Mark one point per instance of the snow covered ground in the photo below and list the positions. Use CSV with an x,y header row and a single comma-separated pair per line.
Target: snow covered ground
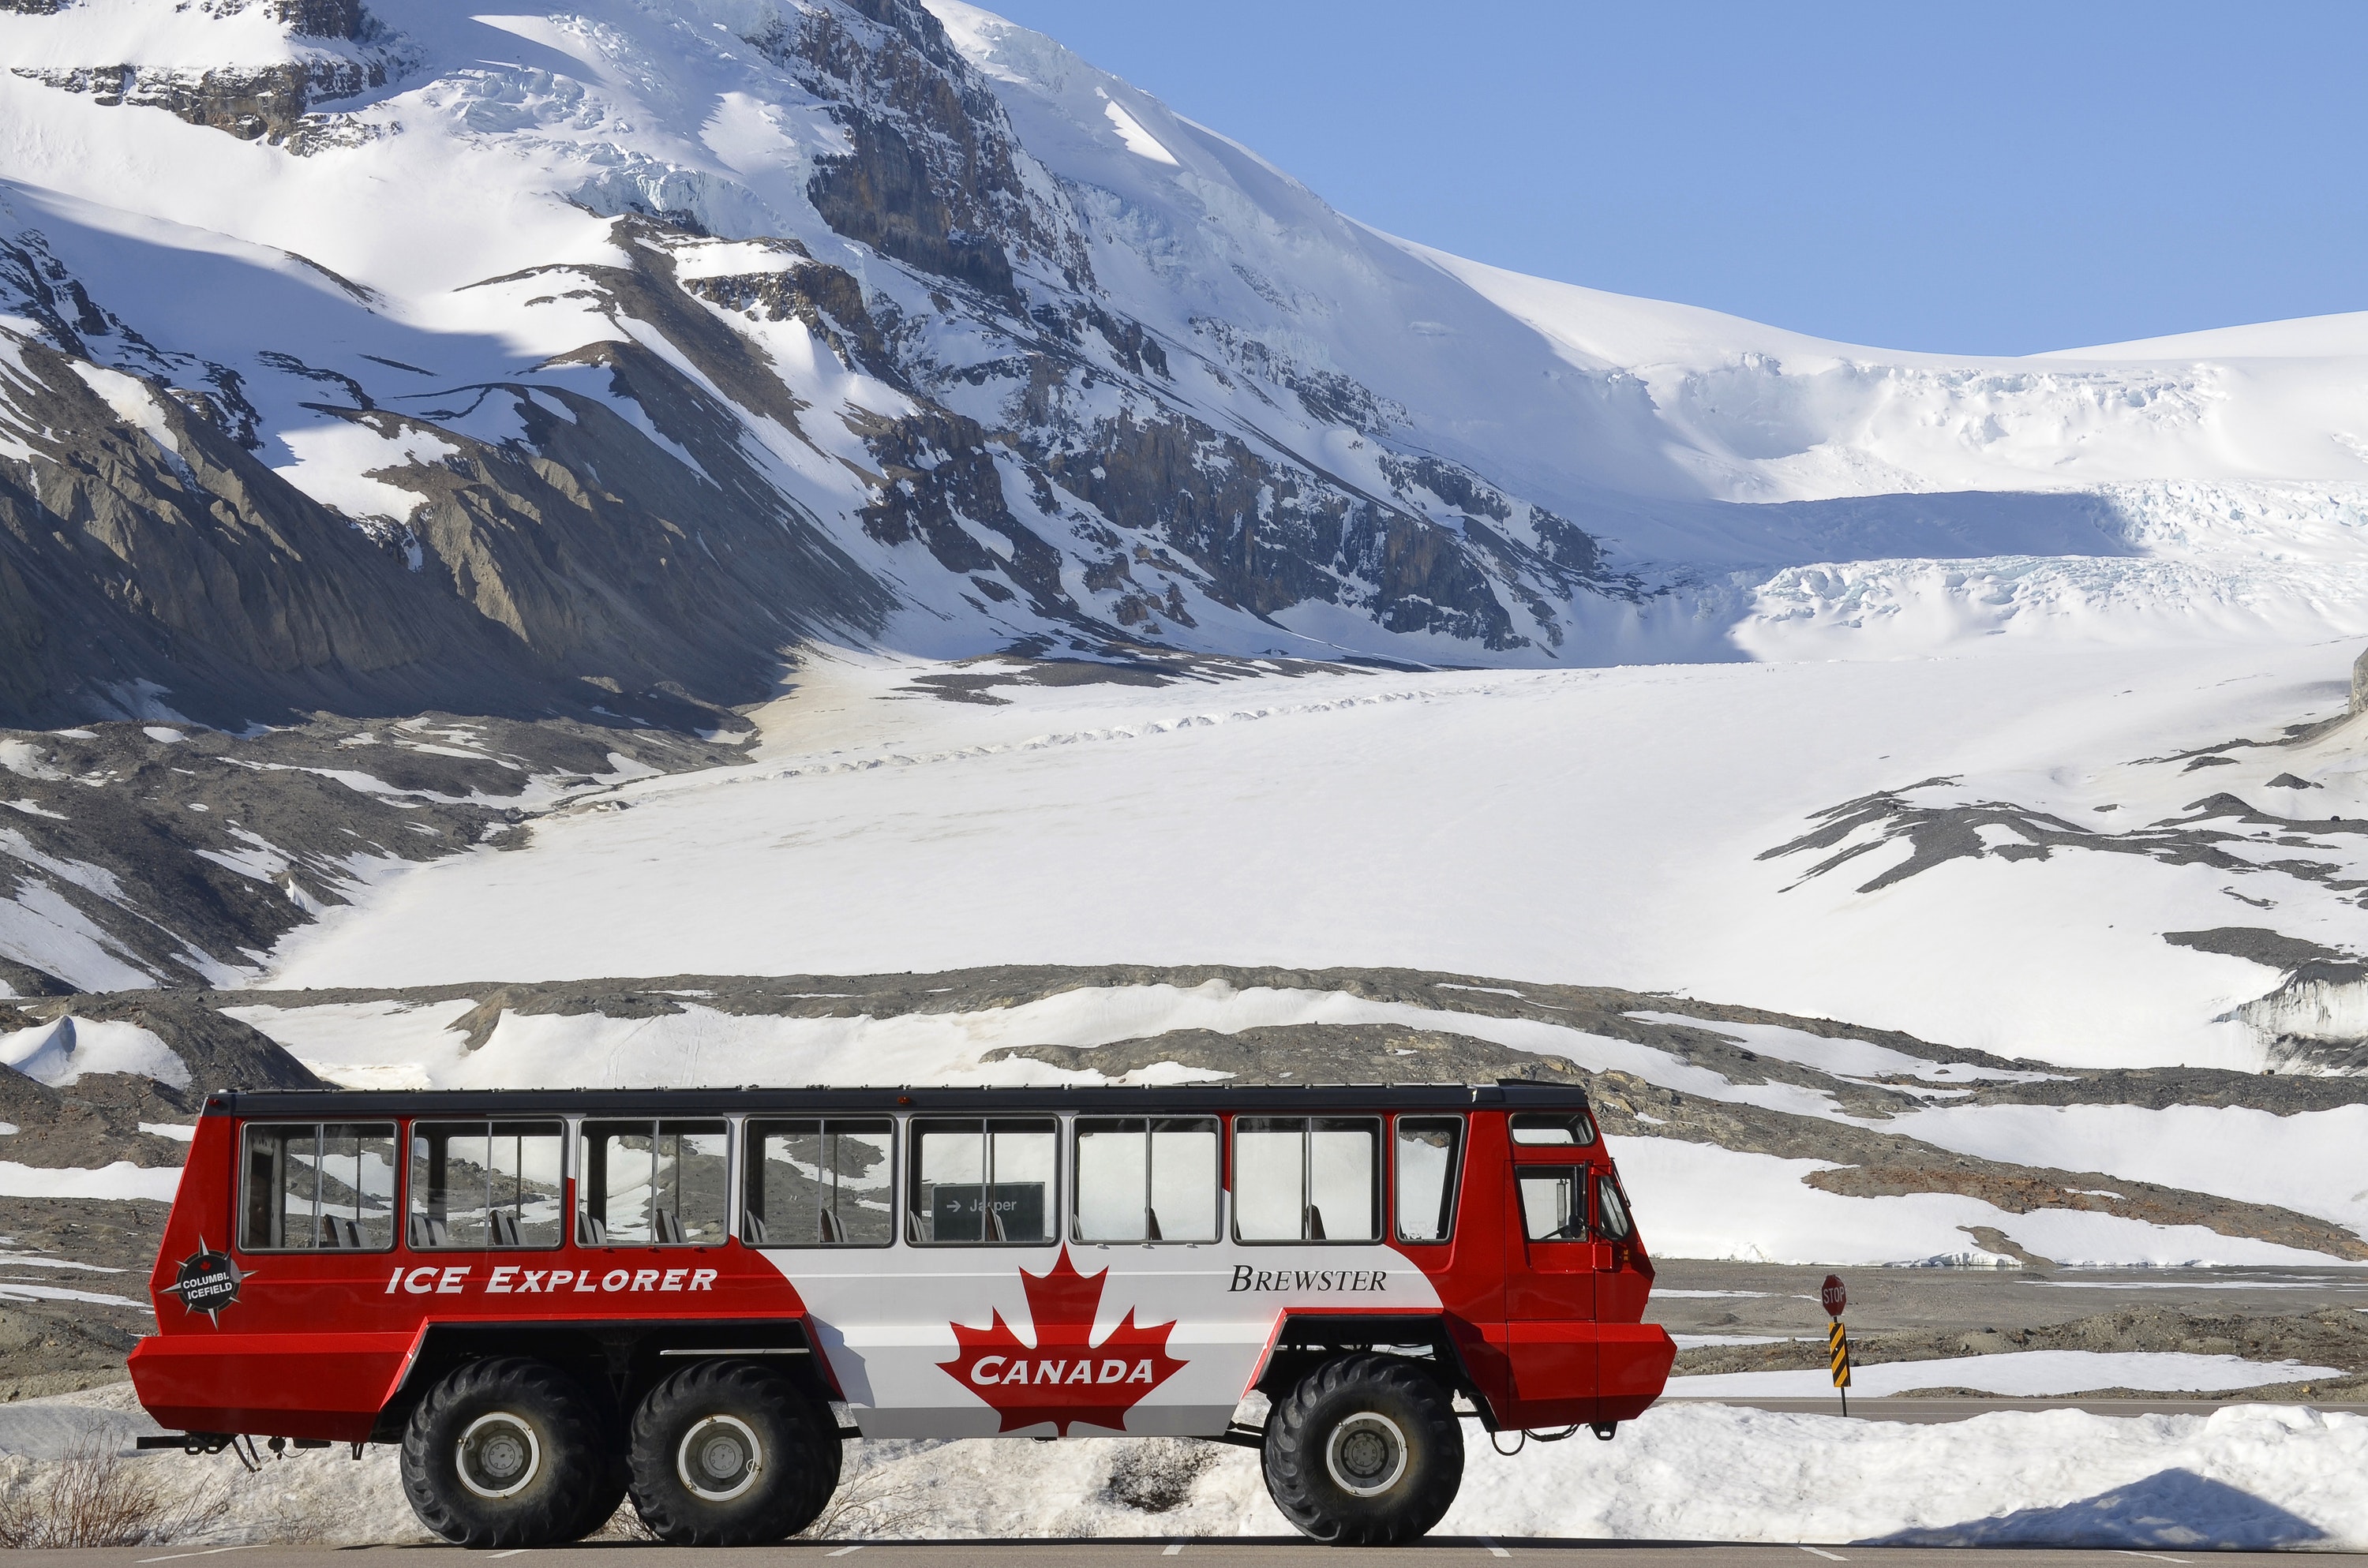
x,y
1603,826
2256,1157
119,1179
1700,1201
2254,1477
1598,827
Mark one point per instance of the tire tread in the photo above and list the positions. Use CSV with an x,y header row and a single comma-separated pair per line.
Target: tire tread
x,y
578,1467
677,1518
1295,1476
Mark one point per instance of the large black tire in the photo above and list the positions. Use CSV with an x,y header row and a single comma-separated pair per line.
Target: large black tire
x,y
1365,1451
731,1453
506,1452
606,1494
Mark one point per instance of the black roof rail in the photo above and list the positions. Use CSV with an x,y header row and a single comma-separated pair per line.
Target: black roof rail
x,y
758,1099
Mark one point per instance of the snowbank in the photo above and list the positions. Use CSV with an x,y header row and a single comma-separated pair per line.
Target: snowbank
x,y
2247,1477
60,1052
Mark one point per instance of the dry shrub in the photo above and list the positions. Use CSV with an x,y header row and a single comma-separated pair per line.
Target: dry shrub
x,y
1155,1475
625,1523
93,1497
881,1502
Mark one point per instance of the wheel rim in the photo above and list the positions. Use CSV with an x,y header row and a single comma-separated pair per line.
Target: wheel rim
x,y
498,1456
1366,1454
719,1458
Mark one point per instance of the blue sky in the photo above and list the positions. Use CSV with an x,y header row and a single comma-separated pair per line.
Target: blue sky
x,y
1999,179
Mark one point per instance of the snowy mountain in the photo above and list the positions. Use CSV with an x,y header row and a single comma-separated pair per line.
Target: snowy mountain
x,y
391,357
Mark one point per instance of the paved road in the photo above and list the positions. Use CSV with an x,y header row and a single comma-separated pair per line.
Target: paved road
x,y
1244,1551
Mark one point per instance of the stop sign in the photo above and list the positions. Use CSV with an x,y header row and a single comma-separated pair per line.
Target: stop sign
x,y
1834,1296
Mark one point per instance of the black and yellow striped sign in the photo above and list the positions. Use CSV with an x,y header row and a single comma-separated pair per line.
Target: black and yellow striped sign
x,y
1838,1344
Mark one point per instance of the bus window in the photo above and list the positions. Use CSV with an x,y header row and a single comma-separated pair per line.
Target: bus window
x,y
653,1183
1559,1128
1428,1151
485,1184
1141,1180
983,1179
318,1185
1554,1203
820,1184
1307,1179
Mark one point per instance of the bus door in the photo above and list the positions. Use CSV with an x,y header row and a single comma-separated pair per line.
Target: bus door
x,y
1625,1278
1552,1260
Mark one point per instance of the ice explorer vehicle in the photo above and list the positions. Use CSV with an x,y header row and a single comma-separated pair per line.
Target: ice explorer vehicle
x,y
553,1299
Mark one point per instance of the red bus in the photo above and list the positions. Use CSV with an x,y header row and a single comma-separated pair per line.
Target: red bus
x,y
553,1300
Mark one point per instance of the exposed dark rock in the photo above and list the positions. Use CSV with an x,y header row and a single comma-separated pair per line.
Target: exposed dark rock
x,y
125,567
934,179
22,1100
2019,1190
828,299
2255,943
1300,1053
95,1122
1938,835
24,980
48,1347
1266,536
477,1024
1997,1242
591,571
940,474
2157,1088
323,19
270,102
884,195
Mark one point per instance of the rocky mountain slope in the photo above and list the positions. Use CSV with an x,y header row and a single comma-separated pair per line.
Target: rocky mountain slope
x,y
382,361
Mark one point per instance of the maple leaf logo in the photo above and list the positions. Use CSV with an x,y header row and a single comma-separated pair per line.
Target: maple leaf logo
x,y
1064,1377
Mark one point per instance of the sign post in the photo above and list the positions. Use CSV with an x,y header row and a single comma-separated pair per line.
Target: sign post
x,y
1836,1338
